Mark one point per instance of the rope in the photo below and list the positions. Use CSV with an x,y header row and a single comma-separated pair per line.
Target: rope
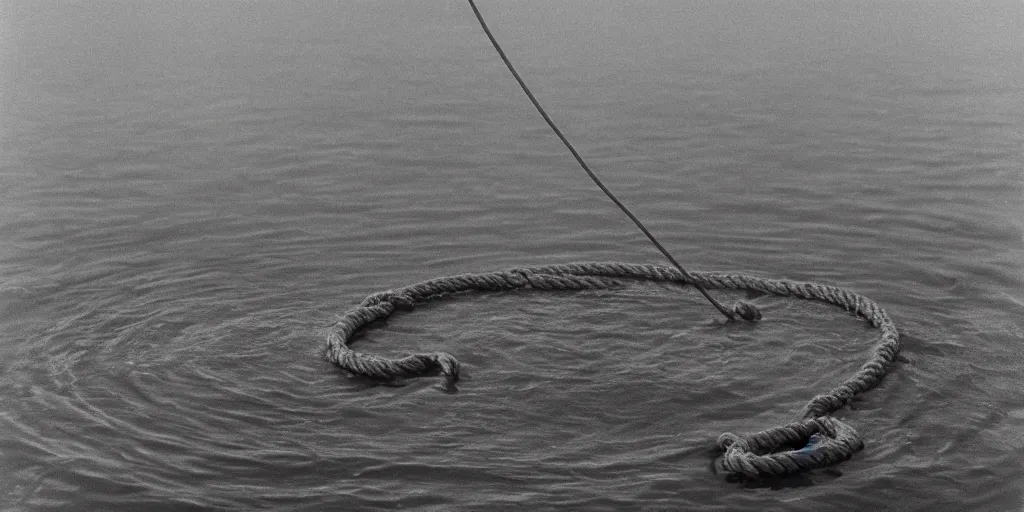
x,y
748,312
817,440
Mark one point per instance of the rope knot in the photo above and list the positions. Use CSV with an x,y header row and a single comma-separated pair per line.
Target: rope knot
x,y
802,446
746,311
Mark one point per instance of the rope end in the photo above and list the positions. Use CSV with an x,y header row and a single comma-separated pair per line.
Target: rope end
x,y
746,311
448,364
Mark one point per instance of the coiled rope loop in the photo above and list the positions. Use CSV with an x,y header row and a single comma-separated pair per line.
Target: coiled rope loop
x,y
816,441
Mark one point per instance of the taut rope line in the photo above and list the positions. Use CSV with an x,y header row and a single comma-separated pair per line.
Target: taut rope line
x,y
745,310
816,440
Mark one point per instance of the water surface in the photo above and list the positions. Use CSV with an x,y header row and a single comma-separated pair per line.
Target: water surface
x,y
191,193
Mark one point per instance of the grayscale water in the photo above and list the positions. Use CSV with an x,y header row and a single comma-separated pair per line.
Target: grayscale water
x,y
191,193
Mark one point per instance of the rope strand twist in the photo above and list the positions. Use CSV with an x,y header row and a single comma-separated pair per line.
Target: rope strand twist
x,y
817,440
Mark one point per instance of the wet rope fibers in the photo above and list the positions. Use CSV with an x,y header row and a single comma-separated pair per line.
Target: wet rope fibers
x,y
815,441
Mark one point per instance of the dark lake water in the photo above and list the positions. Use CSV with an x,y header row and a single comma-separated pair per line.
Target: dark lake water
x,y
191,193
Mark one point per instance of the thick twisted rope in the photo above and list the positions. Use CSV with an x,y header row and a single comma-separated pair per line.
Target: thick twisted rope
x,y
816,441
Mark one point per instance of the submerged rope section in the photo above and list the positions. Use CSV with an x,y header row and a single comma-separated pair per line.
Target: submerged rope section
x,y
816,440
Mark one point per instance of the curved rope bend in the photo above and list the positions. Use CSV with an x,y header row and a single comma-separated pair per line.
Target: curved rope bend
x,y
816,441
